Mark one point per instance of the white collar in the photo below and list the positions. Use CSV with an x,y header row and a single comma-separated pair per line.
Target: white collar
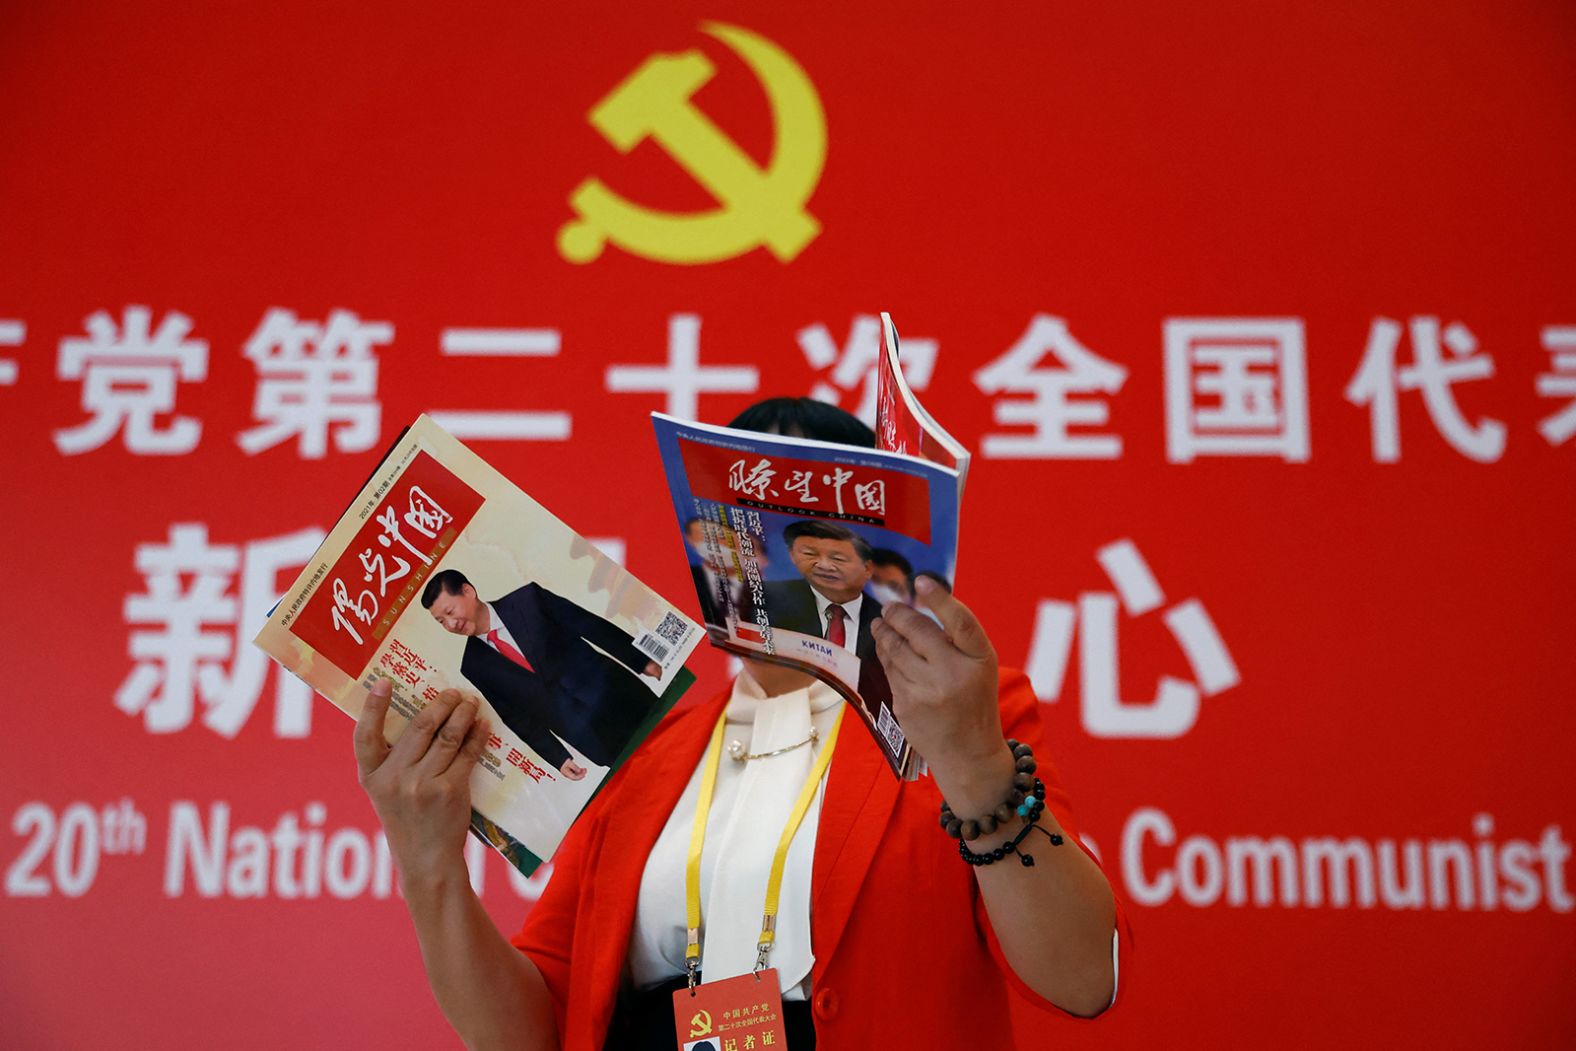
x,y
748,697
495,623
851,607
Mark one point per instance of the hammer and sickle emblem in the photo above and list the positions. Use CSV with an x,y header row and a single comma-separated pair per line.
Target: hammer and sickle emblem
x,y
755,206
700,1024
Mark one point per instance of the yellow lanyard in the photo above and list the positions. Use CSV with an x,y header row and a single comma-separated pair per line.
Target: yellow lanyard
x,y
774,882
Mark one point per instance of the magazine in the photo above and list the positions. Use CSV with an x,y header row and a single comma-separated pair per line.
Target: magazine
x,y
795,546
902,424
443,575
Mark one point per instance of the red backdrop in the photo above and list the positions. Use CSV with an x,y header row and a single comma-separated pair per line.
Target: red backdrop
x,y
1258,317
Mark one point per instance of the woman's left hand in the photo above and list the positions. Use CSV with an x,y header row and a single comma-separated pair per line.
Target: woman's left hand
x,y
943,680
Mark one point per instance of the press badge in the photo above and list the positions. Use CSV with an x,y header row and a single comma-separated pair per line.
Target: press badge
x,y
735,1014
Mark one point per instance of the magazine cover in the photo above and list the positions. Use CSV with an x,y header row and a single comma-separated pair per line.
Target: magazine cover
x,y
796,544
443,575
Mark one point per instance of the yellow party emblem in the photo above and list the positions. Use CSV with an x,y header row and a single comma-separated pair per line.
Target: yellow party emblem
x,y
700,1023
755,206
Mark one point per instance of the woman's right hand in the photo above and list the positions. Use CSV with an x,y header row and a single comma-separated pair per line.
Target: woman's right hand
x,y
420,786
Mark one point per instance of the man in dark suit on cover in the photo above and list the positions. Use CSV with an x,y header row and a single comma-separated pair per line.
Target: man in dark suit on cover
x,y
529,654
831,601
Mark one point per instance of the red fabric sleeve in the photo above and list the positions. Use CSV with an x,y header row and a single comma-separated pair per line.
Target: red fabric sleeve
x,y
547,936
1020,720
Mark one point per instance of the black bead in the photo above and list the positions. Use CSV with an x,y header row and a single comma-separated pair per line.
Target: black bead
x,y
1027,859
1056,839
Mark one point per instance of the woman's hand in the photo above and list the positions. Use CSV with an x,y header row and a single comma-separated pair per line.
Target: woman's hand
x,y
420,787
943,681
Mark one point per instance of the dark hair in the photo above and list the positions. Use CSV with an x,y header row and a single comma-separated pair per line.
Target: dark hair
x,y
937,577
814,527
805,418
885,556
443,582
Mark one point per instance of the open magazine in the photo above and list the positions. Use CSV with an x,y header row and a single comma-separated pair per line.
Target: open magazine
x,y
902,424
443,575
795,545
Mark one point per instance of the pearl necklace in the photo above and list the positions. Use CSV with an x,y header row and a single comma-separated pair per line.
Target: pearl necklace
x,y
737,753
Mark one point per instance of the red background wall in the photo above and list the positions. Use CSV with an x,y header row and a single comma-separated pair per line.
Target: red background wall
x,y
1403,631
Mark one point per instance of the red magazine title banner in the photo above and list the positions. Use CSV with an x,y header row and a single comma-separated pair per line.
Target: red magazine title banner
x,y
385,567
854,493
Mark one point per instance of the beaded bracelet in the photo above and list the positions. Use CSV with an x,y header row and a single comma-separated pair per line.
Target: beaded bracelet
x,y
1027,800
1028,795
990,857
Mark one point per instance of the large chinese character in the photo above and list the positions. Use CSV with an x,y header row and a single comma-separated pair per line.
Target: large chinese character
x,y
129,376
800,482
268,566
837,479
871,497
684,379
12,334
1047,406
424,514
512,424
853,365
314,378
1175,706
752,481
1380,377
195,627
1236,387
1559,382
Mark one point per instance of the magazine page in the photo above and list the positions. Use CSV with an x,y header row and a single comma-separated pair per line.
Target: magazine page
x,y
443,575
902,424
795,545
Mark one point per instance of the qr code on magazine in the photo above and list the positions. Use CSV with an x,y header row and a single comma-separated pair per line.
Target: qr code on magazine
x,y
890,730
659,642
672,628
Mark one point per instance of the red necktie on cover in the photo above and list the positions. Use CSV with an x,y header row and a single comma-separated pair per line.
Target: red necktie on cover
x,y
836,632
508,650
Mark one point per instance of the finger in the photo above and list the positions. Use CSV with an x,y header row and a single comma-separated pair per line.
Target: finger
x,y
446,743
469,753
959,621
922,634
417,738
370,744
898,658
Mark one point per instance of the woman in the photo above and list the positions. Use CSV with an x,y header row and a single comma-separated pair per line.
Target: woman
x,y
884,933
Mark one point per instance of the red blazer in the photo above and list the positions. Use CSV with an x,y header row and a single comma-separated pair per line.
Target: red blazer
x,y
904,953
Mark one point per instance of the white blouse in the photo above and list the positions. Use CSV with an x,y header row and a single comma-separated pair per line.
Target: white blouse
x,y
750,807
